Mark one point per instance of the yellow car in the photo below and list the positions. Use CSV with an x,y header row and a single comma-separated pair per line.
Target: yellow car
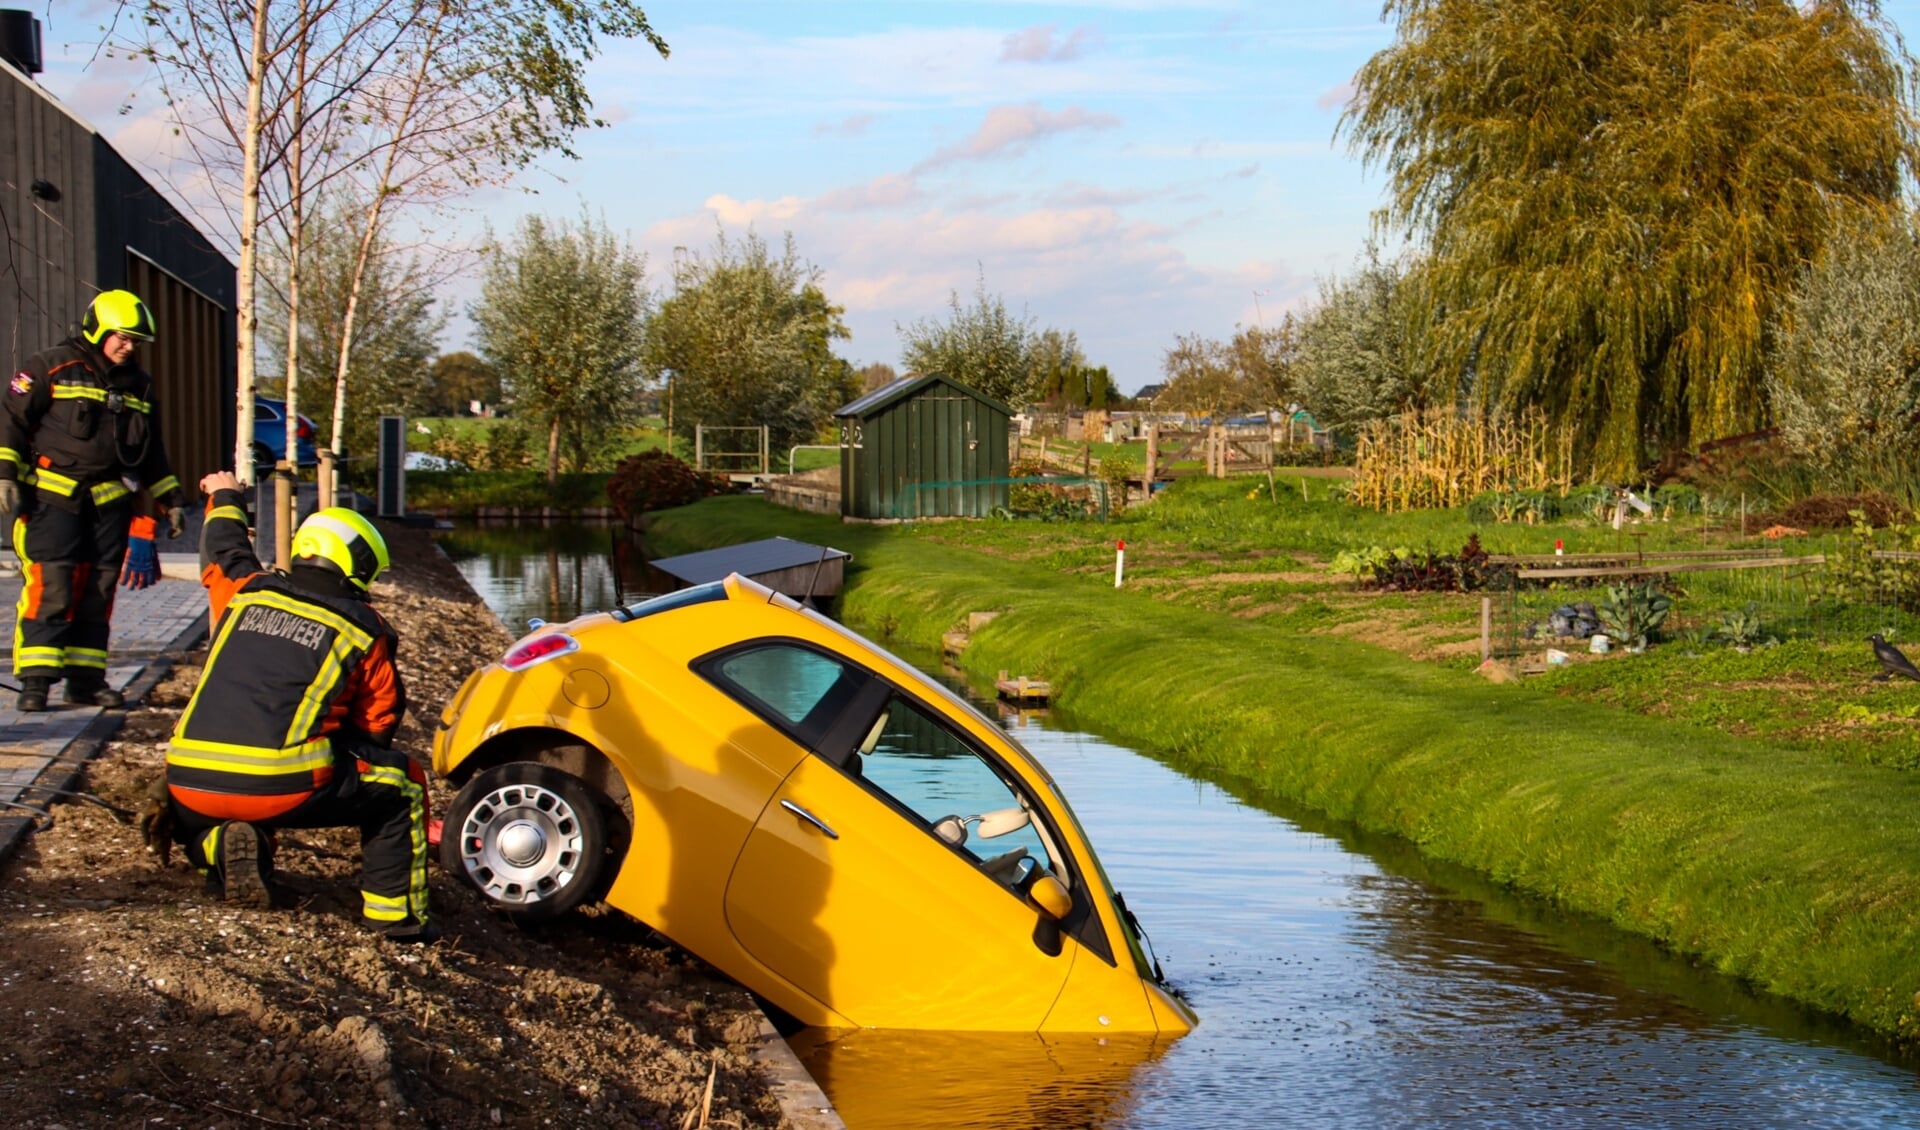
x,y
831,828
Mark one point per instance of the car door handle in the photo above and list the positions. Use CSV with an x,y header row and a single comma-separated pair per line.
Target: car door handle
x,y
810,818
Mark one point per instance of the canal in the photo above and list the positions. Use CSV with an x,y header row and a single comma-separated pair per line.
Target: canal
x,y
1341,979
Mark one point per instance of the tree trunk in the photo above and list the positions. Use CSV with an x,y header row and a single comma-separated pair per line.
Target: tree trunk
x,y
246,319
553,454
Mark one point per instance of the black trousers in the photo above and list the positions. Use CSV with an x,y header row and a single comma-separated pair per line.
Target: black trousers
x,y
69,570
382,792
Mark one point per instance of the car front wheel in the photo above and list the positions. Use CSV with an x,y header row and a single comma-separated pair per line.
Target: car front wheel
x,y
530,838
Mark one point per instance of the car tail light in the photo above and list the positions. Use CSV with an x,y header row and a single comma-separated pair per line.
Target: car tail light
x,y
304,429
539,649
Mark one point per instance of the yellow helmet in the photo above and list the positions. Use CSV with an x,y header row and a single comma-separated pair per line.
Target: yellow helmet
x,y
117,311
345,540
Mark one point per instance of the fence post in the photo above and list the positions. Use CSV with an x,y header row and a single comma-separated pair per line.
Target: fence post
x,y
1153,455
1486,628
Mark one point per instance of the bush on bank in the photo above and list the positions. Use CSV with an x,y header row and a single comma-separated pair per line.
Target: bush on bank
x,y
1773,864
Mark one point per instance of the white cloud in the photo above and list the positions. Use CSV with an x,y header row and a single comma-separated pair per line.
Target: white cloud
x,y
1036,44
1009,130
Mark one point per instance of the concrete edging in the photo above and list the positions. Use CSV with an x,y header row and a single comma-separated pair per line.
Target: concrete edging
x,y
801,1100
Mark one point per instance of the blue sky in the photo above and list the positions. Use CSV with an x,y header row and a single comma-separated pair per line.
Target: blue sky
x,y
1130,170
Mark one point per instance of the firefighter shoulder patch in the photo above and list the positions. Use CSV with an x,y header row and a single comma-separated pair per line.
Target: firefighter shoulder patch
x,y
22,383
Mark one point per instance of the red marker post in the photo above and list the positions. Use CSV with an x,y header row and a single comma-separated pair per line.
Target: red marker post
x,y
1558,549
1119,564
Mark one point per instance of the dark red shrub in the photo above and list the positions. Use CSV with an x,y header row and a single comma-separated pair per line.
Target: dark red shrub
x,y
657,480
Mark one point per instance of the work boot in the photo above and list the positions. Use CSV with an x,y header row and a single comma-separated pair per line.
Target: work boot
x,y
245,866
33,694
411,933
93,692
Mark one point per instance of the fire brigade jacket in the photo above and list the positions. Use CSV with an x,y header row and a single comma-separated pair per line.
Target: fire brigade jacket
x,y
291,670
75,422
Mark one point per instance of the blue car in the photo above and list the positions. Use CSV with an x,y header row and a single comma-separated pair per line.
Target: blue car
x,y
270,434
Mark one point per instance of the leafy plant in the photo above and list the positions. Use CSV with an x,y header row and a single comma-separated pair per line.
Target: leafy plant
x,y
1743,629
1632,613
1466,571
1358,563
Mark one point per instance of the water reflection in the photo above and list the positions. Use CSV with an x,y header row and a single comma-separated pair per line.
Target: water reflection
x,y
916,1079
553,572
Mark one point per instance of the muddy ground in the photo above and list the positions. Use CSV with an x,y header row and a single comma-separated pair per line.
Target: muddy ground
x,y
130,997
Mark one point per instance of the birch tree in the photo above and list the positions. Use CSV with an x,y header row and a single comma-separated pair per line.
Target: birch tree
x,y
416,100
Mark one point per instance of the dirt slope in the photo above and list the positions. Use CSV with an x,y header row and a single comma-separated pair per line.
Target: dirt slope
x,y
129,997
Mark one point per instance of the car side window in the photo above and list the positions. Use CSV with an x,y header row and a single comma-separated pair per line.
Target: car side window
x,y
796,689
961,797
265,411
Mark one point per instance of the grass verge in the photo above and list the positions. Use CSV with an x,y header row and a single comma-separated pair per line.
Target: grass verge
x,y
1769,861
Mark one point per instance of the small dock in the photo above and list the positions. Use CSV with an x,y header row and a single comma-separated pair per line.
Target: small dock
x,y
1022,690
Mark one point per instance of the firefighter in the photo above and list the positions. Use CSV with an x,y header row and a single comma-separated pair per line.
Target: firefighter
x,y
79,439
292,724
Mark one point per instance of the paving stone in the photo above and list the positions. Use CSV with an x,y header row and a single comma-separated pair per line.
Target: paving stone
x,y
43,748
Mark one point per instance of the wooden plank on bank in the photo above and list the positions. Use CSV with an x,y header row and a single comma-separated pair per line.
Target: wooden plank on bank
x,y
1675,567
1624,554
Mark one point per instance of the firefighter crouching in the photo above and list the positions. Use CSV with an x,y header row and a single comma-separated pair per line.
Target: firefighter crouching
x,y
79,438
293,720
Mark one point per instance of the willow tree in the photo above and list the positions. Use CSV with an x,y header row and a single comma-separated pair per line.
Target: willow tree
x,y
560,318
1616,196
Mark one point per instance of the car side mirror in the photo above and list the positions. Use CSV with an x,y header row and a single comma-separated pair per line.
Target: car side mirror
x,y
951,829
1051,896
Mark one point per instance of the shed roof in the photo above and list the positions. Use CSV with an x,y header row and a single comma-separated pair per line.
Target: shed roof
x,y
910,385
751,559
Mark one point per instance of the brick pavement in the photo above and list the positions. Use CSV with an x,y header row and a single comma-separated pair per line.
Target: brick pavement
x,y
47,750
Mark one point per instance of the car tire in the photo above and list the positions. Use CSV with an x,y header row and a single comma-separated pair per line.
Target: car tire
x,y
529,838
263,456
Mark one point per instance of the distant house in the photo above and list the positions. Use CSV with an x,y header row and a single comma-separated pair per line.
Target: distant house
x,y
924,446
1149,393
81,221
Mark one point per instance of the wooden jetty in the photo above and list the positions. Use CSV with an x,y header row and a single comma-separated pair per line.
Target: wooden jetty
x,y
1022,689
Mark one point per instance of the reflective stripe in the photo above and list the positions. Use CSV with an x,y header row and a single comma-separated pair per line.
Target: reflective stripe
x,y
254,761
11,455
54,482
165,487
233,512
380,908
85,657
89,392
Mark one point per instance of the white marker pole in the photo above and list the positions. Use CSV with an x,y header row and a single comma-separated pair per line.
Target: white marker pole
x,y
1119,564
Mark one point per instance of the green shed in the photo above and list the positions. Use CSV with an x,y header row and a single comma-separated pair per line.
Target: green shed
x,y
924,446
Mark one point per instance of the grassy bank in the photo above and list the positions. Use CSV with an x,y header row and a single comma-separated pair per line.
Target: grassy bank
x,y
1770,861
